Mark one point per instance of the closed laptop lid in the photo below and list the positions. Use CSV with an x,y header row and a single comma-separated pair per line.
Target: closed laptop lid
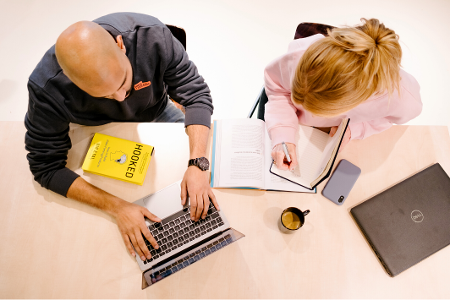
x,y
409,221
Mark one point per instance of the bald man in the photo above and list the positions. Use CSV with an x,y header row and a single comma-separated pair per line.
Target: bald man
x,y
119,68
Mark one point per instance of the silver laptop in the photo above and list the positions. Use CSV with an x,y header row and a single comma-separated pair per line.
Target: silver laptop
x,y
181,241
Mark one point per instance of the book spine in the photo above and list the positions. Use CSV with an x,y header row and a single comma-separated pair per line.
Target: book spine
x,y
213,154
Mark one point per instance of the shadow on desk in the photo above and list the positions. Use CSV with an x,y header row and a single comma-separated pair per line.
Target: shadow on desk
x,y
52,197
80,216
298,241
383,165
167,164
81,137
221,275
377,147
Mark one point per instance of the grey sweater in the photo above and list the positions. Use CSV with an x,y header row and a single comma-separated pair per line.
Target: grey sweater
x,y
55,102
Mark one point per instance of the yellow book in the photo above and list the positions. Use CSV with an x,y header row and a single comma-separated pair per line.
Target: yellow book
x,y
118,158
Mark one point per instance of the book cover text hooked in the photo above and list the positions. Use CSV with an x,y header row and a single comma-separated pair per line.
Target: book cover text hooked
x,y
118,158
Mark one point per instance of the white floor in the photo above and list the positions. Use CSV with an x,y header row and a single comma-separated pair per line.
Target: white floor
x,y
232,41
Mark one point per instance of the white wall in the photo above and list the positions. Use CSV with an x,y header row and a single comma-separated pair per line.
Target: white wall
x,y
232,41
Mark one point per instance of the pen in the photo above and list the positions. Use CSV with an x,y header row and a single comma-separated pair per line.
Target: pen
x,y
286,152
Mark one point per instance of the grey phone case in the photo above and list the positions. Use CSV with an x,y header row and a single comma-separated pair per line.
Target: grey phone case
x,y
341,182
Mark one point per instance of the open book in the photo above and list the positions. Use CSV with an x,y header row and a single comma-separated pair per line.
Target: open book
x,y
241,157
316,153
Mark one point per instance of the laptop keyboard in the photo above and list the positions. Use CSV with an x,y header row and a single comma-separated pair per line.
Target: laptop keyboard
x,y
178,229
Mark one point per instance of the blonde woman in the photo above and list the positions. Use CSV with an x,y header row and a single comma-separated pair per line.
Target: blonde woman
x,y
351,73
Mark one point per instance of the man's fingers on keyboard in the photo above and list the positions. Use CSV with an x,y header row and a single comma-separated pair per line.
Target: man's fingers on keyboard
x,y
199,210
213,199
193,202
205,205
136,246
127,242
142,244
149,237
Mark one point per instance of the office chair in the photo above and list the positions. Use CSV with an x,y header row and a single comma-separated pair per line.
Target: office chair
x,y
178,33
303,30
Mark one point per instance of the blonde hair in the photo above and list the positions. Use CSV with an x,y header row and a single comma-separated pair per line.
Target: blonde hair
x,y
342,70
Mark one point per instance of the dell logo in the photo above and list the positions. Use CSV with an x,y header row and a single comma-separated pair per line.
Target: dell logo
x,y
417,216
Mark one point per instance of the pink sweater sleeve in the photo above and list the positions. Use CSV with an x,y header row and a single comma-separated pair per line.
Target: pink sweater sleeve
x,y
402,108
280,114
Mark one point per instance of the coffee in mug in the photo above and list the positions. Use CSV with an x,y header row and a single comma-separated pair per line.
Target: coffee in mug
x,y
292,219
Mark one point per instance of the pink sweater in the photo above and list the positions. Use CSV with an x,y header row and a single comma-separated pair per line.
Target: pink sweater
x,y
375,115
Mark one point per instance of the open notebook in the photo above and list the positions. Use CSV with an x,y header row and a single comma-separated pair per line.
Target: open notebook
x,y
316,153
241,157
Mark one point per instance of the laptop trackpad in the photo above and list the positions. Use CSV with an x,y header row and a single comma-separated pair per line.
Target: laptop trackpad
x,y
164,202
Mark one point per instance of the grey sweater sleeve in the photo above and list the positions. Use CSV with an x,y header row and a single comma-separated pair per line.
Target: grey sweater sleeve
x,y
185,85
47,140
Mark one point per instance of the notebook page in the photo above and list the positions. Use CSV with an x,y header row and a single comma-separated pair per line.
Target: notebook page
x,y
310,146
239,153
273,182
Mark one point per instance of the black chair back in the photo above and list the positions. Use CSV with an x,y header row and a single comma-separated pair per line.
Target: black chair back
x,y
179,34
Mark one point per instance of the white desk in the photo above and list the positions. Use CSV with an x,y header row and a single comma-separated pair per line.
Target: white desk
x,y
53,247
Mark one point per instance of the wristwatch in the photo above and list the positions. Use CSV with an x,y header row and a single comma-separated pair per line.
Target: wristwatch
x,y
202,163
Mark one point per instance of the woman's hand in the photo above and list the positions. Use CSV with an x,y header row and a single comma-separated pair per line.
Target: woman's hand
x,y
345,140
280,158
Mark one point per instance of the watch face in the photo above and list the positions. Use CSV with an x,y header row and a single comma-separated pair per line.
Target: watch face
x,y
203,163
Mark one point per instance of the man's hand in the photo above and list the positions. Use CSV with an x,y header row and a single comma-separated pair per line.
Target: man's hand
x,y
131,222
130,217
280,159
345,139
195,184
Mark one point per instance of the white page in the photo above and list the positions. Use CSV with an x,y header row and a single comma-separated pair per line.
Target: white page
x,y
311,143
239,159
273,182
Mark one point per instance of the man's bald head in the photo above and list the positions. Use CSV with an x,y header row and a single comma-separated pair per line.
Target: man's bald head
x,y
91,58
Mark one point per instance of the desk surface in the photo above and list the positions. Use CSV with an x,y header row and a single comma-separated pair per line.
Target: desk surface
x,y
53,247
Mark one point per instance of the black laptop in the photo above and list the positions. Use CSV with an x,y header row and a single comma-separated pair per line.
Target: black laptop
x,y
409,221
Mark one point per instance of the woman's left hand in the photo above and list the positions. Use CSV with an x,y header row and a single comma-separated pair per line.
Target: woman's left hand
x,y
345,140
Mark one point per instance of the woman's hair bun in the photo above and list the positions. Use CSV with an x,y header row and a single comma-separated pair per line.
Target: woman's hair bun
x,y
379,47
345,68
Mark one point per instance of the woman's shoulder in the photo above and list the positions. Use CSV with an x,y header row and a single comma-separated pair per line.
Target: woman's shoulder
x,y
409,84
296,49
285,65
409,88
401,106
303,43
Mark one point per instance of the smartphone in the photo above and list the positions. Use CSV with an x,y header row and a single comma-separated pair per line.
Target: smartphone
x,y
341,182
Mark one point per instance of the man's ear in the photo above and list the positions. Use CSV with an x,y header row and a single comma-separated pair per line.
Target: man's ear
x,y
120,44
